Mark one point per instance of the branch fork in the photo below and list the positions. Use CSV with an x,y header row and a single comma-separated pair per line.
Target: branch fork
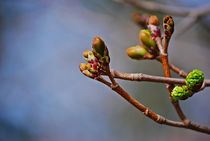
x,y
98,66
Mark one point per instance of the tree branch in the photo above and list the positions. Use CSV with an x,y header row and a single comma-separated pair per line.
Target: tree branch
x,y
175,69
166,70
171,10
151,114
150,78
98,63
192,15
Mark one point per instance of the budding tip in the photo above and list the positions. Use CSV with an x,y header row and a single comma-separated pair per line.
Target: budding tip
x,y
153,20
99,47
85,53
146,39
168,20
96,40
88,73
98,43
181,93
82,66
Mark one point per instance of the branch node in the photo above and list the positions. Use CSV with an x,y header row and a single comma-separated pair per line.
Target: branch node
x,y
167,86
146,112
181,72
164,54
187,122
140,76
203,85
160,119
132,77
114,86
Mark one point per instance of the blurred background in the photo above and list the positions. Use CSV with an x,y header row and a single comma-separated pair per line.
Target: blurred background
x,y
43,95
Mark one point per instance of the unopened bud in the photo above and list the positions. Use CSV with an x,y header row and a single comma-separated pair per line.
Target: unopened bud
x,y
181,93
98,46
138,53
100,51
141,20
153,20
89,74
85,53
89,56
168,26
146,38
82,67
195,79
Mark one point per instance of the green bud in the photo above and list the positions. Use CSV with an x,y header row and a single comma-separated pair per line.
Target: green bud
x,y
88,74
146,38
89,56
89,69
100,51
85,53
138,53
88,66
98,46
181,93
195,79
82,67
85,66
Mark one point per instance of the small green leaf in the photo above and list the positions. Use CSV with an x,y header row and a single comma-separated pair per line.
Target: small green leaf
x,y
195,79
181,93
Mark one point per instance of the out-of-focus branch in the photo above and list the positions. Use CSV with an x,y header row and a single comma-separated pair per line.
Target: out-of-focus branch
x,y
140,20
192,18
191,15
171,10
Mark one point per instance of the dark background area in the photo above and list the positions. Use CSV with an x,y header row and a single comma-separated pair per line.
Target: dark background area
x,y
43,95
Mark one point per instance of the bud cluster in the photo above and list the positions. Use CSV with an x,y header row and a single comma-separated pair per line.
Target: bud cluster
x,y
148,49
97,59
194,81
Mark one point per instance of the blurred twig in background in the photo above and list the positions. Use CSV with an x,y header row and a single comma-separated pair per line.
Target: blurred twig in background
x,y
191,15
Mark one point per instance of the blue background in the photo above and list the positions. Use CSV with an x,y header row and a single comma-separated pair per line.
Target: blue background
x,y
43,95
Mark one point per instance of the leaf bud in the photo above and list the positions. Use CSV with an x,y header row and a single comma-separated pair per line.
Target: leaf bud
x,y
100,50
181,93
195,79
168,26
138,53
146,38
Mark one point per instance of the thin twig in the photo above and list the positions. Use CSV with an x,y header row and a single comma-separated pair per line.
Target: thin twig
x,y
166,70
151,114
108,72
175,69
147,112
150,78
